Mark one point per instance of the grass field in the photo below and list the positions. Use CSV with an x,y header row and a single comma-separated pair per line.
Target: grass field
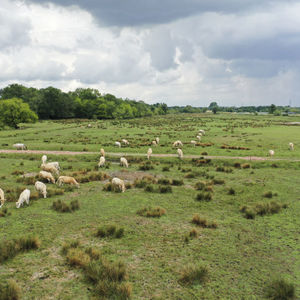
x,y
242,251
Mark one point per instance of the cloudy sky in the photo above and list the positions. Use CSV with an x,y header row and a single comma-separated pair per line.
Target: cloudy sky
x,y
235,52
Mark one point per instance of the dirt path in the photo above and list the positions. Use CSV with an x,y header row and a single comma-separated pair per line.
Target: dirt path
x,y
252,158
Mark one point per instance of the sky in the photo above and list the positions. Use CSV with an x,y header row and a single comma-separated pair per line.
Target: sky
x,y
180,52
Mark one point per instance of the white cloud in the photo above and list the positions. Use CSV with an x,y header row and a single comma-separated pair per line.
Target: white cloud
x,y
230,55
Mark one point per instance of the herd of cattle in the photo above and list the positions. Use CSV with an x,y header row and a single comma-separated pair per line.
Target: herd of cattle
x,y
53,168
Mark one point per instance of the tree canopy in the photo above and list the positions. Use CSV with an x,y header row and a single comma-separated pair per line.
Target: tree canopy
x,y
14,111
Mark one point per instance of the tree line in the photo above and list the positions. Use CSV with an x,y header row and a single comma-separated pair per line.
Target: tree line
x,y
52,103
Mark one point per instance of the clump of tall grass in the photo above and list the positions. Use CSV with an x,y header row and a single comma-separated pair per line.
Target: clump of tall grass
x,y
204,196
151,212
62,206
261,209
110,231
9,249
280,290
10,290
193,274
108,278
4,212
203,222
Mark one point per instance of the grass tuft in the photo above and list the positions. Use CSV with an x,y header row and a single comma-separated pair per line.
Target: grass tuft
x,y
193,274
10,290
110,231
9,249
203,222
280,290
151,212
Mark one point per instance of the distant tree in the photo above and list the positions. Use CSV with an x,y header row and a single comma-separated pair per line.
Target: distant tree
x,y
213,106
272,108
14,111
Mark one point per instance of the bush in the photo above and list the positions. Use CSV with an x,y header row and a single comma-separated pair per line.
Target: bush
x,y
204,197
281,290
151,212
193,273
10,290
165,169
110,231
9,249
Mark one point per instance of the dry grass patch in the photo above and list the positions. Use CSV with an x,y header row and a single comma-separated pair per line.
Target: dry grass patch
x,y
193,274
203,222
10,290
9,249
110,231
151,212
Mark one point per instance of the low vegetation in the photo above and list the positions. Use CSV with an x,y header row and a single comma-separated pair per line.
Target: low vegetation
x,y
151,212
63,207
11,248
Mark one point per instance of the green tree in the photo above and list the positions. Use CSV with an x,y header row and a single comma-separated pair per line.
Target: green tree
x,y
272,109
14,111
213,106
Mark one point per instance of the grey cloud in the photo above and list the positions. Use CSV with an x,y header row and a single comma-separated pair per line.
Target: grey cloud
x,y
14,29
139,12
269,48
121,68
162,49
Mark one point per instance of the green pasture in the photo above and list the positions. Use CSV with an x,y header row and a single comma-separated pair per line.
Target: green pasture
x,y
243,256
258,133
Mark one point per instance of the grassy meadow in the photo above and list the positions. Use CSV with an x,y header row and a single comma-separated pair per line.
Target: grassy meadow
x,y
190,229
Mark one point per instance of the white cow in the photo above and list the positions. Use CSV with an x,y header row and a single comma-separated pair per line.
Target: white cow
x,y
24,197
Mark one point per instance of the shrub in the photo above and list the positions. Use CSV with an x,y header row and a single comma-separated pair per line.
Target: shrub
x,y
9,249
204,153
203,222
10,290
110,231
204,196
165,169
151,212
193,273
165,189
280,290
164,181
